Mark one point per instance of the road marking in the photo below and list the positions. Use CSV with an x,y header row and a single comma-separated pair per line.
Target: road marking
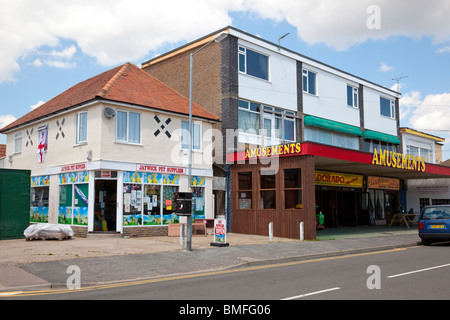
x,y
416,271
197,275
8,294
311,293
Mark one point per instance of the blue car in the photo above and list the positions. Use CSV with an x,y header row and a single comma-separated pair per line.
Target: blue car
x,y
434,223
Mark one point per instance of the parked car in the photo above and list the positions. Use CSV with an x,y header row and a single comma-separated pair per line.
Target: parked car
x,y
434,223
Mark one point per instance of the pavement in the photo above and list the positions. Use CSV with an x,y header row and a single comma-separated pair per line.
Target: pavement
x,y
108,258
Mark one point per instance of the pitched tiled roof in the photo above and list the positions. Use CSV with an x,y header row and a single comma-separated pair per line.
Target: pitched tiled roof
x,y
126,83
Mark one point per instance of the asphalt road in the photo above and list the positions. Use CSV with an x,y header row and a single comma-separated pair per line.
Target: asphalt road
x,y
415,273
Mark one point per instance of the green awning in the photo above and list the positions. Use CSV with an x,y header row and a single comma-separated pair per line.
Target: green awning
x,y
369,134
332,125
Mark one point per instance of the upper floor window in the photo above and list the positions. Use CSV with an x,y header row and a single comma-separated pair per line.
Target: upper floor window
x,y
253,63
276,123
352,96
309,82
18,142
128,127
387,107
81,127
196,134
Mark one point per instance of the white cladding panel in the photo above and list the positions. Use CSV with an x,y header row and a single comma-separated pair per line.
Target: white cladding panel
x,y
331,99
373,120
281,89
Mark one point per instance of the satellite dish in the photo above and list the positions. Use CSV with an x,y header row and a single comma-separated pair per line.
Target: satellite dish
x,y
109,112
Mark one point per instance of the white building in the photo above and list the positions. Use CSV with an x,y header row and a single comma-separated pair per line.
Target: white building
x,y
109,154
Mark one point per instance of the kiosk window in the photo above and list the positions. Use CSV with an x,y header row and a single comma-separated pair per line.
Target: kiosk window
x,y
245,190
268,191
293,189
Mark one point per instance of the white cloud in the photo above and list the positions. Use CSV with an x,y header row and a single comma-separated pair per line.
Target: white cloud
x,y
6,119
37,105
384,67
433,113
408,102
129,30
443,50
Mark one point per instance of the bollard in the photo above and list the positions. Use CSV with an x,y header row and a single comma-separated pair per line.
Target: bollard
x,y
302,233
271,232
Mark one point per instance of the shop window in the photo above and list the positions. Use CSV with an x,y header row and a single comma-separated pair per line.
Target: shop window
x,y
198,197
293,189
73,198
65,204
80,209
39,199
132,201
245,190
267,190
148,198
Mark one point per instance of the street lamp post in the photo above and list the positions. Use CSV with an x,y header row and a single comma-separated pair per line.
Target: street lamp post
x,y
217,39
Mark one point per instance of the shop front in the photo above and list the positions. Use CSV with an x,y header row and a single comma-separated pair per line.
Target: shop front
x,y
349,187
139,202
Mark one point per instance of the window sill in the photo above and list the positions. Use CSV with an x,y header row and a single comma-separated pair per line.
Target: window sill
x,y
129,143
310,94
80,144
253,77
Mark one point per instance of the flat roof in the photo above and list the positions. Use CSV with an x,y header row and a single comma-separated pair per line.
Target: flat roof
x,y
273,47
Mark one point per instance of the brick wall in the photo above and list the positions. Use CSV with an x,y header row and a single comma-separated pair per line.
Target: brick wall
x,y
145,231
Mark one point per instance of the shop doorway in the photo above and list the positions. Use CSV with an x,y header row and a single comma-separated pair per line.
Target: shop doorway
x,y
338,205
105,208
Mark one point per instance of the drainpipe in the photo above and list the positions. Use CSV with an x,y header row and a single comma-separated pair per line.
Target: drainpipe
x,y
227,174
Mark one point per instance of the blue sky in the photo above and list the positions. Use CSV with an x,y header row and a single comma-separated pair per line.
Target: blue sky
x,y
49,46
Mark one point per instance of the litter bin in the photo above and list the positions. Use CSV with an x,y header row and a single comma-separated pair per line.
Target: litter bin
x,y
183,204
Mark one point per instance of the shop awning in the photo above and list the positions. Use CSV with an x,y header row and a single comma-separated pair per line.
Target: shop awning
x,y
369,134
332,125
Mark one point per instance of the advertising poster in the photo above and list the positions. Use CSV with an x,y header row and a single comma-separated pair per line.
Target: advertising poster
x,y
220,230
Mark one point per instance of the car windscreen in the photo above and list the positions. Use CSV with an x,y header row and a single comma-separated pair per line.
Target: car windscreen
x,y
435,213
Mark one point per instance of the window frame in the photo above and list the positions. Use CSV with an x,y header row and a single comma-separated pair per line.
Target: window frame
x,y
78,124
354,96
296,188
247,191
391,108
18,141
274,115
127,140
261,190
242,54
306,76
185,133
